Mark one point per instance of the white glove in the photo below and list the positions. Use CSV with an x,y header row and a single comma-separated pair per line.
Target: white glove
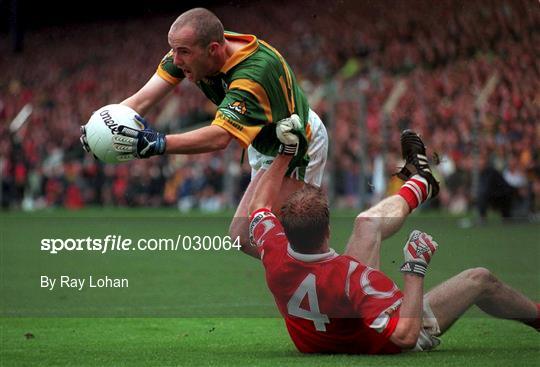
x,y
285,127
418,251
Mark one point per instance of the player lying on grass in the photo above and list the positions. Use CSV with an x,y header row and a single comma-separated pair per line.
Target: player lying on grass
x,y
252,86
342,303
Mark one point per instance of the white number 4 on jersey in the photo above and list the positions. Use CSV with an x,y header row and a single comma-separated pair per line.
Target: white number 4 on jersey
x,y
293,306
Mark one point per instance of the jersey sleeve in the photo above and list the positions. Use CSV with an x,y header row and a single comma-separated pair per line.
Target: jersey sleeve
x,y
375,298
168,71
244,111
268,235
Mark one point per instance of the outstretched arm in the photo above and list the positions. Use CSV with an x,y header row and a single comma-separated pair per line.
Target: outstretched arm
x,y
151,93
203,140
145,143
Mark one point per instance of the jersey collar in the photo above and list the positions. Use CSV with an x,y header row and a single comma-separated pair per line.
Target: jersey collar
x,y
242,53
310,258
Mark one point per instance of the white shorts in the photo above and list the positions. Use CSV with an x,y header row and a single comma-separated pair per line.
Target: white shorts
x,y
317,151
430,330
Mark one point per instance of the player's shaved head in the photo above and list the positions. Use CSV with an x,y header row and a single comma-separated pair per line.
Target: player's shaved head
x,y
306,219
205,24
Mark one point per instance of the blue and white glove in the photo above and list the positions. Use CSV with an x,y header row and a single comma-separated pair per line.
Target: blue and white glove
x,y
138,143
418,251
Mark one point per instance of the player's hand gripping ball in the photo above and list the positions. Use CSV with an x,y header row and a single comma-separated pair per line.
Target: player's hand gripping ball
x,y
116,133
97,134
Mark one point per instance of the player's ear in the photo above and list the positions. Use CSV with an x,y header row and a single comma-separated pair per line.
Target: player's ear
x,y
213,48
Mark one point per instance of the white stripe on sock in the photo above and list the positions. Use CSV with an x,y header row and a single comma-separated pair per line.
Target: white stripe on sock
x,y
426,185
414,188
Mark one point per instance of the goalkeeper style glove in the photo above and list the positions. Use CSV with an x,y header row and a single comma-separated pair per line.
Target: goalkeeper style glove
x,y
418,251
139,143
288,133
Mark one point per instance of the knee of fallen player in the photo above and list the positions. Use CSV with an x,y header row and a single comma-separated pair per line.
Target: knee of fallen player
x,y
405,336
484,279
366,220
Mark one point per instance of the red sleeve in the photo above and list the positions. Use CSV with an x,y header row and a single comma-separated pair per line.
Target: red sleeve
x,y
375,297
266,232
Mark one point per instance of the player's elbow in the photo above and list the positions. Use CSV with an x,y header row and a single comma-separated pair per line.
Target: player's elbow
x,y
221,141
405,337
239,230
405,342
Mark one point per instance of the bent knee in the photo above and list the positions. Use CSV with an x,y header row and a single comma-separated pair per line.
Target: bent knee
x,y
478,274
367,219
483,277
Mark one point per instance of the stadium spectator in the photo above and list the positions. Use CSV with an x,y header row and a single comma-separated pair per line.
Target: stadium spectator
x,y
493,190
445,55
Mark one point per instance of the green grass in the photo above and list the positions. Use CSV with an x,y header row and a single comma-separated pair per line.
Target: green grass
x,y
238,342
213,308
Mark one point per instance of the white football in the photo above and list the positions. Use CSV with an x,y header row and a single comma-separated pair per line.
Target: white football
x,y
101,127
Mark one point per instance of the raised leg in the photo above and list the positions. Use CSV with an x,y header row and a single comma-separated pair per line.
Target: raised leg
x,y
387,217
374,225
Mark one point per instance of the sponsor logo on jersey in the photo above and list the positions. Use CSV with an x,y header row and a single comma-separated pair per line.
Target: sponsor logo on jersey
x,y
237,125
238,106
231,117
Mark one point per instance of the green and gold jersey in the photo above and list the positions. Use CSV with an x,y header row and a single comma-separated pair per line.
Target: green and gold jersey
x,y
254,89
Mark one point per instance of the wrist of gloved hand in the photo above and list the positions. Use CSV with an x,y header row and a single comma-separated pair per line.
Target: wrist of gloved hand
x,y
135,143
414,267
288,149
146,149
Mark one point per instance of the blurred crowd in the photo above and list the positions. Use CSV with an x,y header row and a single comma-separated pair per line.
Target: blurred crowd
x,y
448,55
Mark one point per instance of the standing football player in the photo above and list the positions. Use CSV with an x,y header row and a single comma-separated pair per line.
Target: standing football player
x,y
252,86
342,303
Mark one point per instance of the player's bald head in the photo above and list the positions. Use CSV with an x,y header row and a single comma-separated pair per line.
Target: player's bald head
x,y
206,26
306,219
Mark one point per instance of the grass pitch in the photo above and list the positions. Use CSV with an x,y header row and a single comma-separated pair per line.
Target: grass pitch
x,y
212,307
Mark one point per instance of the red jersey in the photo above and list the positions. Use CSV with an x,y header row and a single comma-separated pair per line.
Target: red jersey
x,y
331,303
